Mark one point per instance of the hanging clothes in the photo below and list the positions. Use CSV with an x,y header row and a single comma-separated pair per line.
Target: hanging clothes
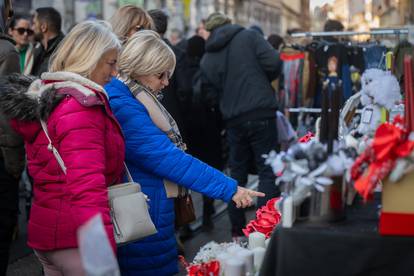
x,y
356,57
325,51
374,56
306,101
313,74
292,70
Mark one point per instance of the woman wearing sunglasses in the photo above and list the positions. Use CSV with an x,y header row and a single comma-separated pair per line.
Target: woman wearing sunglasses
x,y
155,153
20,30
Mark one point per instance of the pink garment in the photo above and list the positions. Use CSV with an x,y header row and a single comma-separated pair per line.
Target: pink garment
x,y
66,262
89,139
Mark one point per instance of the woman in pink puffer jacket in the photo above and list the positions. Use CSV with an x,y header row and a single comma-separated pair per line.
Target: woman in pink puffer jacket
x,y
71,99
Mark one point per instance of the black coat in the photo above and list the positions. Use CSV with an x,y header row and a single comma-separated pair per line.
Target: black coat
x,y
172,98
42,56
11,144
204,125
240,65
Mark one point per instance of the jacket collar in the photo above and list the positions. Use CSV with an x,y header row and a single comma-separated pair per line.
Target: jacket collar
x,y
54,42
8,38
58,80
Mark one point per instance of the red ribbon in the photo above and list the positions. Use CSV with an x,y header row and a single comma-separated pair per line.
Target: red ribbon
x,y
390,143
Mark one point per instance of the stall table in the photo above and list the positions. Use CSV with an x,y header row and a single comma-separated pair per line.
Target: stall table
x,y
349,247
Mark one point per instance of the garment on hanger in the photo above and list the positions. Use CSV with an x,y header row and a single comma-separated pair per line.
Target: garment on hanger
x,y
374,56
325,52
356,57
292,71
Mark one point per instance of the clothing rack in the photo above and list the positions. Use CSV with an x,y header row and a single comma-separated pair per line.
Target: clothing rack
x,y
310,110
395,31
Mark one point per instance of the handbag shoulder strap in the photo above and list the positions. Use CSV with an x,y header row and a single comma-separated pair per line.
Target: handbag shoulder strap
x,y
129,176
51,148
59,159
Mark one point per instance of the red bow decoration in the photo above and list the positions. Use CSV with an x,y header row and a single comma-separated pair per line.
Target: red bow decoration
x,y
211,268
390,143
306,138
267,217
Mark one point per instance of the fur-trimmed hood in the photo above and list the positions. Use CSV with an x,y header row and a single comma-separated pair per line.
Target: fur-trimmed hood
x,y
28,100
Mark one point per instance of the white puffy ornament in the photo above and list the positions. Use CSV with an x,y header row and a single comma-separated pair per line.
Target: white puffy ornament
x,y
378,89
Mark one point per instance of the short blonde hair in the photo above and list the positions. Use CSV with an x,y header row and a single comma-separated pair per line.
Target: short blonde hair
x,y
146,53
83,47
127,17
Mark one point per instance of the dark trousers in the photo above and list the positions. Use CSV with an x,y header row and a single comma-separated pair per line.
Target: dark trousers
x,y
9,187
251,139
7,225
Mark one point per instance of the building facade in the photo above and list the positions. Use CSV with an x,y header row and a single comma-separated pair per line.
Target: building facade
x,y
362,15
273,16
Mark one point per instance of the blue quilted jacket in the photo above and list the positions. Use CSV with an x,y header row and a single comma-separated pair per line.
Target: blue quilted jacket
x,y
152,157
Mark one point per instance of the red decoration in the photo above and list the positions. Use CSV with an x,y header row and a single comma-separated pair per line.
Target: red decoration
x,y
396,224
390,143
306,138
267,217
211,268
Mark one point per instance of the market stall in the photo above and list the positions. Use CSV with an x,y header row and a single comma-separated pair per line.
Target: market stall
x,y
346,206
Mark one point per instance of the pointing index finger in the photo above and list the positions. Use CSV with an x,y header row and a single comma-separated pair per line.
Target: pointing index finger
x,y
258,194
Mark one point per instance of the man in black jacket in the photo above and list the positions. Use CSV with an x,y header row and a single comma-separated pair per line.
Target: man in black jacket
x,y
47,24
238,67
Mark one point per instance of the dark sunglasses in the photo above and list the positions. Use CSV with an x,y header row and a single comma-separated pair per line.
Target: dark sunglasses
x,y
164,75
21,31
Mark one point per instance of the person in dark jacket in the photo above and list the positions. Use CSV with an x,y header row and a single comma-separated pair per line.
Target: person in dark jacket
x,y
11,146
204,123
175,94
47,24
239,66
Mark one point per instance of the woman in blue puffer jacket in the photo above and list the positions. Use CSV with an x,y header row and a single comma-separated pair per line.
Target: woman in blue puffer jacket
x,y
155,153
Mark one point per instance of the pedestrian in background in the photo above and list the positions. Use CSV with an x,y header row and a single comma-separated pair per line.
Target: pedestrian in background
x,y
11,145
20,30
276,41
176,94
128,20
239,65
205,125
258,29
177,39
201,30
47,25
71,100
155,153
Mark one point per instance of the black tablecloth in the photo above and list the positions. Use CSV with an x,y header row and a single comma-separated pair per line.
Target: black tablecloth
x,y
350,247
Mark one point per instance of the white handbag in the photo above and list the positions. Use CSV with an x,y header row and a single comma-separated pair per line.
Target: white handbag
x,y
128,205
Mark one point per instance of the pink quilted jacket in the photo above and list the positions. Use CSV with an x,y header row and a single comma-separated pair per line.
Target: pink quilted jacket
x,y
91,144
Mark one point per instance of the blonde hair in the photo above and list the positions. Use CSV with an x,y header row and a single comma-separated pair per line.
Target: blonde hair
x,y
127,17
146,53
83,47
